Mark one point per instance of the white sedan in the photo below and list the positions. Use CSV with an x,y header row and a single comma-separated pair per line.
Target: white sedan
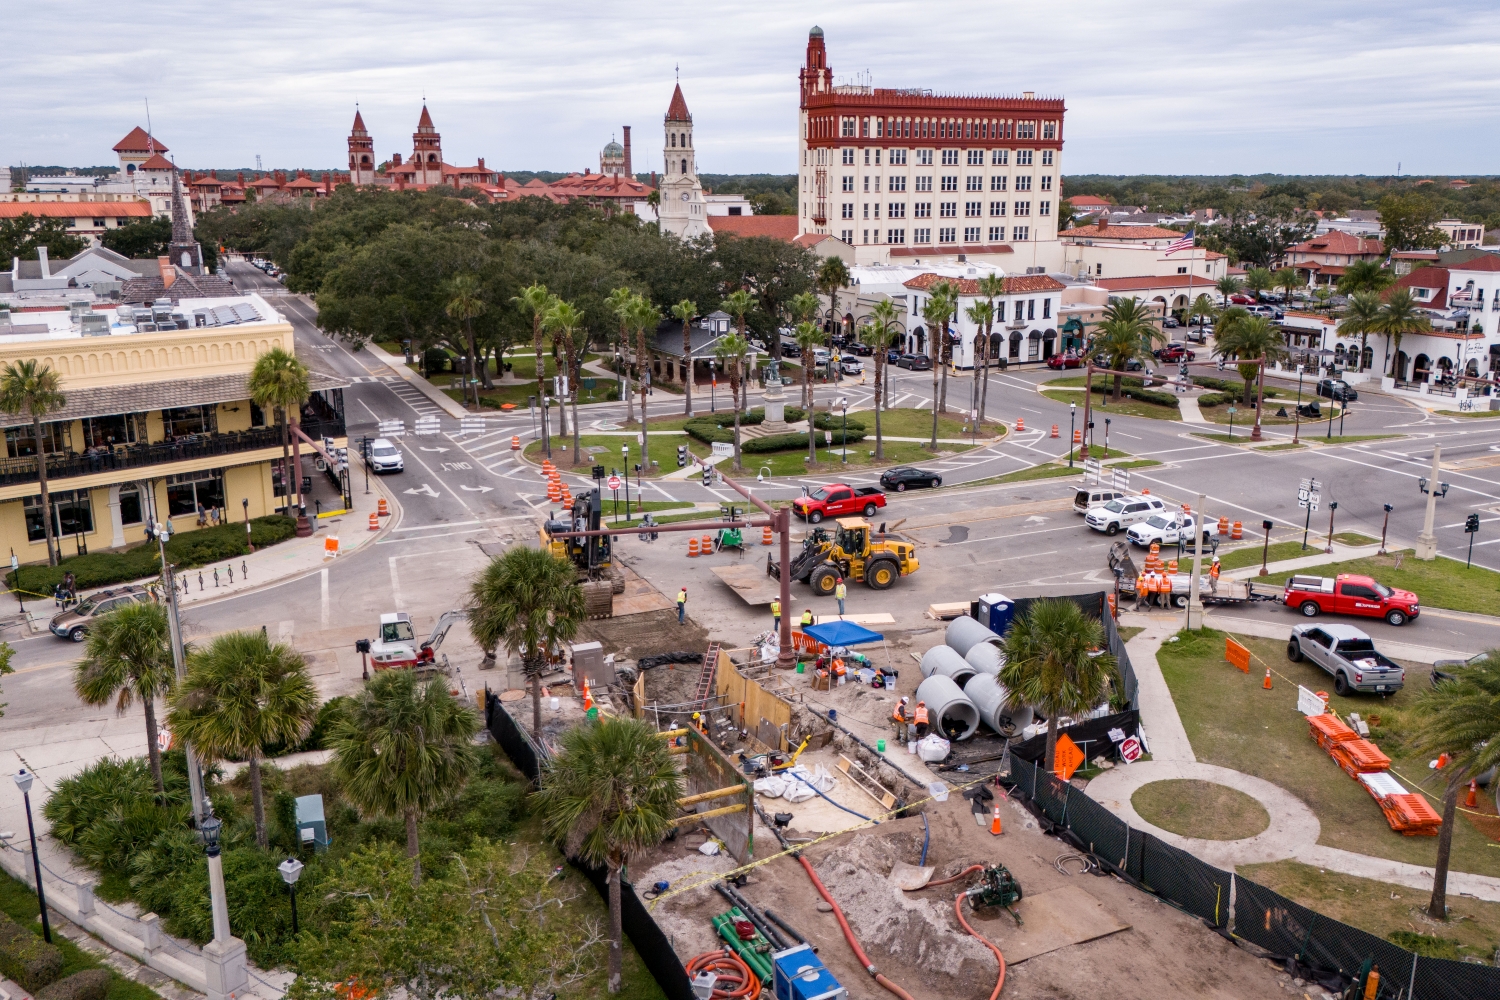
x,y
1165,529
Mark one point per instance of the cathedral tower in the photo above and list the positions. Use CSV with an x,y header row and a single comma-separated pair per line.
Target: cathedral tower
x,y
683,212
361,153
427,151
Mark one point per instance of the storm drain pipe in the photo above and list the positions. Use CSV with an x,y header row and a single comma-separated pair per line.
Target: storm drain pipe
x,y
945,662
964,633
948,708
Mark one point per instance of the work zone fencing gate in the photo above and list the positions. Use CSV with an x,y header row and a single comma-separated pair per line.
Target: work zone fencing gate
x,y
1238,907
651,944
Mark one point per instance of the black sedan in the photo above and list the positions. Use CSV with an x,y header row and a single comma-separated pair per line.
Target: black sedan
x,y
863,350
904,477
790,350
916,362
1132,365
1337,388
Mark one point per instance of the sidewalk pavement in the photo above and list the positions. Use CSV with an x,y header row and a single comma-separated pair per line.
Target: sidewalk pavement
x,y
1191,414
1165,736
426,388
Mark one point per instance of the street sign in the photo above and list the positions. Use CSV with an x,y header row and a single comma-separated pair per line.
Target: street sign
x,y
614,483
392,428
427,426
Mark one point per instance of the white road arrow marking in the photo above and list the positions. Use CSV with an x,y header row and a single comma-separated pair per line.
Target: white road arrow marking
x,y
435,449
426,491
1033,519
477,489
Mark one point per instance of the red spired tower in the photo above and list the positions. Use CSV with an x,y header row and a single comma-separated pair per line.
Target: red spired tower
x,y
361,153
426,151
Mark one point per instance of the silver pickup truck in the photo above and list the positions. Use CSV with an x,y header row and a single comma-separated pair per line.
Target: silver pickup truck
x,y
1349,655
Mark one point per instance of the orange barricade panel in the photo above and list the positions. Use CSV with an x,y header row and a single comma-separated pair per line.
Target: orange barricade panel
x,y
1359,756
1329,730
1237,655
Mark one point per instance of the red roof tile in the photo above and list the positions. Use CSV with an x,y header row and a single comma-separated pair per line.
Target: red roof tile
x,y
1489,262
1087,202
76,209
1426,277
1338,241
1108,232
677,111
359,122
780,227
138,141
157,162
425,121
1014,285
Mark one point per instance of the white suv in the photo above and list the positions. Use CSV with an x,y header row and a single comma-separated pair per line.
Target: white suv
x,y
385,457
1164,528
1122,513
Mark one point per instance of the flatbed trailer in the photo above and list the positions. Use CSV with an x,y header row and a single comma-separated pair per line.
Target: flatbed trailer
x,y
1227,592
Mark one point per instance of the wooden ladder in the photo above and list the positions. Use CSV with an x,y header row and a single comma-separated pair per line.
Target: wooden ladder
x,y
706,678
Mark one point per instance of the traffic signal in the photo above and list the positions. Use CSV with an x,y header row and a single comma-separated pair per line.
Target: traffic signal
x,y
708,476
682,456
1221,364
1471,523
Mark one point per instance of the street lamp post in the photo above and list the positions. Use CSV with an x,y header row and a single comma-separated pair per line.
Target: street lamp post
x,y
225,972
1333,505
1106,436
162,533
1427,540
1072,431
291,870
23,782
245,503
1265,552
843,402
1297,430
1384,526
625,467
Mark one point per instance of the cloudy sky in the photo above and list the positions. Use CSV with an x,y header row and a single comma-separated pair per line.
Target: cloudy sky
x,y
1162,86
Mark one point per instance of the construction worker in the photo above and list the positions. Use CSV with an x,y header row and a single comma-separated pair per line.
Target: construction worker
x,y
1213,577
919,718
699,724
898,716
682,606
840,592
839,670
1142,589
807,617
776,615
1163,590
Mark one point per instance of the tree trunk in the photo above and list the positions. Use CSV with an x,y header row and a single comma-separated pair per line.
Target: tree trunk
x,y
879,396
734,386
984,388
1119,382
153,751
945,354
936,368
577,371
473,374
644,364
541,380
616,931
1437,908
257,800
41,475
533,667
412,849
286,459
687,359
1051,741
484,368
807,394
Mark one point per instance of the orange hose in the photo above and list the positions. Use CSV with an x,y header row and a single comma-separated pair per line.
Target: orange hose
x,y
945,881
959,913
731,969
859,952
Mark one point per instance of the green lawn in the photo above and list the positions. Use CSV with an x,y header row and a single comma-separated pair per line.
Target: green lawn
x,y
1125,407
1471,414
1200,809
604,449
1238,437
1245,416
1392,912
1250,555
829,465
1350,438
907,422
1097,450
1140,463
1231,721
1047,470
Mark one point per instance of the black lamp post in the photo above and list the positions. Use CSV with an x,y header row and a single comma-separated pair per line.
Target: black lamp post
x,y
245,503
1265,552
1072,431
210,826
1384,526
23,782
291,870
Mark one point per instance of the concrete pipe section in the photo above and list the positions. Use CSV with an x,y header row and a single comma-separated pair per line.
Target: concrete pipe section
x,y
964,633
952,715
943,661
995,710
985,658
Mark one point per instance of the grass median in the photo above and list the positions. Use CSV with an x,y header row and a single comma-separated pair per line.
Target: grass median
x,y
1440,583
1106,406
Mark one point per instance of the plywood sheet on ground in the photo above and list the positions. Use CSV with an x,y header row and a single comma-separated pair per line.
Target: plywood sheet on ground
x,y
1051,920
750,582
639,595
876,619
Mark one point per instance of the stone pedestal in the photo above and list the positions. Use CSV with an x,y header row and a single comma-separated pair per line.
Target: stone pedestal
x,y
775,405
226,975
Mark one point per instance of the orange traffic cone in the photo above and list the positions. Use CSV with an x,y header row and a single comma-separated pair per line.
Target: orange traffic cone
x,y
1239,531
1267,684
515,443
1223,525
1078,437
1172,567
995,822
1054,430
382,510
374,522
765,536
1020,423
1473,798
588,697
707,544
692,547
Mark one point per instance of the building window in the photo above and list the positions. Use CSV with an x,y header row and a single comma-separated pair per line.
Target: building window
x,y
1000,311
1023,157
72,514
1025,130
1182,270
924,183
997,208
948,209
971,234
946,235
973,183
999,157
1023,183
866,213
848,182
867,182
19,442
976,157
898,158
1047,182
848,212
1098,269
1046,309
924,157
189,420
98,223
898,184
1031,308
867,157
130,504
921,235
1049,130
997,182
950,183
847,235
1020,233
950,157
877,210
672,139
973,209
895,236
848,128
1023,208
105,432
188,492
921,210
997,233
897,210
1044,208
848,157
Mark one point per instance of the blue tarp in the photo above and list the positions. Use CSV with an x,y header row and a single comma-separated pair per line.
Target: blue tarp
x,y
841,633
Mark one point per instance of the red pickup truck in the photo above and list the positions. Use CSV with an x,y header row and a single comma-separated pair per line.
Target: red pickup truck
x,y
838,500
1348,594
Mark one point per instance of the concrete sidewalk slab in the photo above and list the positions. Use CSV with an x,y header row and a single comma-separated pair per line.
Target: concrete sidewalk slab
x,y
1165,734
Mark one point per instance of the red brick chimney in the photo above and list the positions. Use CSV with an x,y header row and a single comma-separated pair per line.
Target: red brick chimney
x,y
626,129
168,273
395,159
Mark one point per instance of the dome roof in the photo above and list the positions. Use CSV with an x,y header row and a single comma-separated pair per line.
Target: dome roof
x,y
614,149
816,32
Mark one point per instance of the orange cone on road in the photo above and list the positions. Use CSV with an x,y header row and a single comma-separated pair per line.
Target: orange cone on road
x,y
382,510
1473,798
515,443
995,827
765,536
707,544
1267,684
1078,437
1020,423
692,547
1238,532
1172,566
1054,430
1223,525
374,522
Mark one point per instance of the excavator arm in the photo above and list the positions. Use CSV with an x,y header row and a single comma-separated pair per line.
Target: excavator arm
x,y
429,649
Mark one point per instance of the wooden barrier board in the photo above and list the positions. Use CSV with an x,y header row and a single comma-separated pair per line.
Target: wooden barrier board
x,y
749,580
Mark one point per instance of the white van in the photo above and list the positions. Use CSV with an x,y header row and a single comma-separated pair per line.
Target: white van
x,y
1122,513
1087,499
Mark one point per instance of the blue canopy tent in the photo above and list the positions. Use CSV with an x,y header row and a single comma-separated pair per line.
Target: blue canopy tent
x,y
841,633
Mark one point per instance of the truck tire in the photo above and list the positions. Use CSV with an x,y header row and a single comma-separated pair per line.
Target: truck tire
x,y
1340,684
869,510
1396,618
1180,601
824,579
1309,609
814,517
1113,529
1294,651
882,574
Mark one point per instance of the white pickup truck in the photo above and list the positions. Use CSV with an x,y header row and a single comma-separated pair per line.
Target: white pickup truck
x,y
1349,655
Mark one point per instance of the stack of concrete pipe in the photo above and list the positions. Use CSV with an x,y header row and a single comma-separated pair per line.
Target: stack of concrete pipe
x,y
962,682
949,710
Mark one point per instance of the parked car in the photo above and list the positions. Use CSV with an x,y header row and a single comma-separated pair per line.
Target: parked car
x,y
1349,655
820,355
863,350
1132,365
73,623
1337,388
1165,529
915,362
385,457
838,500
1241,299
1170,323
1348,594
789,349
851,366
1442,670
1068,360
1175,352
1269,312
904,477
1087,499
1122,513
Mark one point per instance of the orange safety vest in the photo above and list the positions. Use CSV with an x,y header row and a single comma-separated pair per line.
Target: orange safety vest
x,y
898,714
921,716
1214,571
838,667
1143,584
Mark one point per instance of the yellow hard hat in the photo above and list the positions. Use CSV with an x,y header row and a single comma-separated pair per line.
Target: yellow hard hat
x,y
695,715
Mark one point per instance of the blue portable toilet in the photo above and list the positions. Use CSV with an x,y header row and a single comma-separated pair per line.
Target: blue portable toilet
x,y
798,974
996,612
312,828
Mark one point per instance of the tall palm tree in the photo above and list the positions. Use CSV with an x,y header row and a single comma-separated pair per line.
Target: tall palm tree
x,y
243,691
535,298
618,303
611,792
731,351
982,315
738,304
406,748
1288,280
1361,318
1401,314
643,316
808,336
653,198
1247,340
564,320
466,304
1227,286
684,311
281,383
991,286
881,327
36,390
1053,663
833,274
129,656
1203,307
1259,279
1364,276
527,601
1461,718
949,296
941,301
1126,332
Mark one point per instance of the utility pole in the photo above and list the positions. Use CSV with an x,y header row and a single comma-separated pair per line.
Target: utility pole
x,y
162,532
1427,541
1195,599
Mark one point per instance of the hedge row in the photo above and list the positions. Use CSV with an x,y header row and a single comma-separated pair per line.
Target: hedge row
x,y
26,959
190,548
835,422
90,984
1144,395
719,427
787,442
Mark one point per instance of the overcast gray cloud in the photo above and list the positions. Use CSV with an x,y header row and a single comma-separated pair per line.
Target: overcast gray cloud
x,y
1172,87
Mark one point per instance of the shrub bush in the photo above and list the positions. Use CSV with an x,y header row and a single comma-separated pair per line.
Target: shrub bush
x,y
708,431
1136,391
825,421
25,958
788,442
90,984
1212,399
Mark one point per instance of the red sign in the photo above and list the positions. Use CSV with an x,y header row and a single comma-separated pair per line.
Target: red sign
x,y
614,483
1130,749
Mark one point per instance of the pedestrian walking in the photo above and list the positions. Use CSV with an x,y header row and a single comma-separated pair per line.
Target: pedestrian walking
x,y
1142,590
682,606
202,516
1213,577
840,592
776,616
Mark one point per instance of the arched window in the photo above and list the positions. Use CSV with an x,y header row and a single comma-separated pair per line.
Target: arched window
x,y
684,166
672,139
364,159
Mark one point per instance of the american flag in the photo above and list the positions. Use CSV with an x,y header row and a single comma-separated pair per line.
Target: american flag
x,y
1186,243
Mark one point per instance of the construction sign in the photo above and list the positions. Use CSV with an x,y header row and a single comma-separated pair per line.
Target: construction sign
x,y
1237,655
1066,758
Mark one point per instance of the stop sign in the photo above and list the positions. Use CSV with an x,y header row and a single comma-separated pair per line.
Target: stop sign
x,y
614,483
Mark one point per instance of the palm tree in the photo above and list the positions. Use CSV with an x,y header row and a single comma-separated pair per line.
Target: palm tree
x,y
643,316
618,303
465,305
527,601
731,351
808,336
1401,314
1361,318
1289,281
406,748
1259,279
1227,286
1203,307
833,274
653,198
982,315
243,691
881,327
611,792
684,311
281,383
36,390
537,300
564,320
1126,332
129,656
1249,339
940,304
991,286
1364,276
1053,662
1461,718
738,304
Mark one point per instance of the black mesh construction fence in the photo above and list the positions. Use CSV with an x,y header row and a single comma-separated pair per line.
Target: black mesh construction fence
x,y
514,740
1251,911
1091,736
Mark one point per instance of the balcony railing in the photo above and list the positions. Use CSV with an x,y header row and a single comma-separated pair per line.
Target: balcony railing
x,y
15,471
